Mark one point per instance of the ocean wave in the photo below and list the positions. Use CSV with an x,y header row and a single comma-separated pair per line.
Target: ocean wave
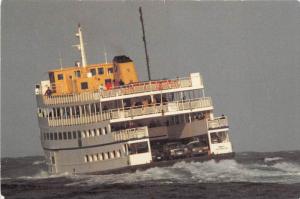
x,y
38,162
202,172
43,175
272,159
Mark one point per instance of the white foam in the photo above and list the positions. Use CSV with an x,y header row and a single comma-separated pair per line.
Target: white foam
x,y
272,159
210,171
38,162
44,174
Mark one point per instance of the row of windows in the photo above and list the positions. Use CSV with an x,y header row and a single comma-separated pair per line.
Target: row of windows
x,y
93,71
103,156
75,134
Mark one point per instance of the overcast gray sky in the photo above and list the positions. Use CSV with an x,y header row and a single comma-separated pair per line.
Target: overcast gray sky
x,y
247,52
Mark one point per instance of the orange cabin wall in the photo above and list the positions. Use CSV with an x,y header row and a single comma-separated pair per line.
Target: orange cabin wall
x,y
72,84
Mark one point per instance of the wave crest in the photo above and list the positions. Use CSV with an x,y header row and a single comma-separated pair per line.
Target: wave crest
x,y
210,171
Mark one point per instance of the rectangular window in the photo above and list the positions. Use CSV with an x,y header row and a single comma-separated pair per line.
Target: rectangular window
x,y
59,136
65,135
110,70
77,73
53,160
60,76
55,136
51,136
69,136
93,71
100,71
84,85
79,134
51,77
141,147
74,135
108,81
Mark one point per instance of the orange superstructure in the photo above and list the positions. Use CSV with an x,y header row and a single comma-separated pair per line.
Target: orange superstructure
x,y
93,77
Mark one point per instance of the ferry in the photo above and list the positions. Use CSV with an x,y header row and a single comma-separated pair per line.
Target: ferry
x,y
100,118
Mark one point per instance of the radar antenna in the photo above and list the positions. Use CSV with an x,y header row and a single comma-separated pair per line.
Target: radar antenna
x,y
80,47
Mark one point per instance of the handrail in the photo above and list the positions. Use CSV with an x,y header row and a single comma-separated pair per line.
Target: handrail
x,y
131,112
218,123
128,134
134,88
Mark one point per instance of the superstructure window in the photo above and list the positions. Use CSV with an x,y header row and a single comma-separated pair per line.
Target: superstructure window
x,y
69,136
74,135
110,70
84,85
59,136
55,136
51,77
77,73
60,76
93,71
65,135
100,71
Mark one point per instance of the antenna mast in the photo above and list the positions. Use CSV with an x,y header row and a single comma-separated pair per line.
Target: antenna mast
x,y
80,47
145,43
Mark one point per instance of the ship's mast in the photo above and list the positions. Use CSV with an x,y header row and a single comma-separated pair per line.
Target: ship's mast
x,y
80,47
145,43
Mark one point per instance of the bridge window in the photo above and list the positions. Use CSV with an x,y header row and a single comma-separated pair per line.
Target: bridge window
x,y
100,71
110,70
93,71
51,77
60,76
84,85
77,73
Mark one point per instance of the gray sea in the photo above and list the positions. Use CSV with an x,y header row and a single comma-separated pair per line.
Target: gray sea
x,y
248,175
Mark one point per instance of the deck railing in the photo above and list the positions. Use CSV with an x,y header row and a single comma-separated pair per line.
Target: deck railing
x,y
119,91
129,134
218,123
130,112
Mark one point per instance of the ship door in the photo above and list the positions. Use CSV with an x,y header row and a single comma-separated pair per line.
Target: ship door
x,y
108,84
52,167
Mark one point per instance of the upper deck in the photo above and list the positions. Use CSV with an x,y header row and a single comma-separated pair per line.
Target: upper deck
x,y
194,81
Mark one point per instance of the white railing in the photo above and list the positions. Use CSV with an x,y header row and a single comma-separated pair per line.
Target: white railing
x,y
130,112
218,123
135,88
128,134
